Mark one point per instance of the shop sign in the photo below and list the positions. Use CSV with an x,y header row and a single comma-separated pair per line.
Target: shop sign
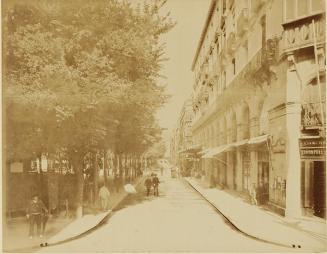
x,y
16,167
301,35
313,148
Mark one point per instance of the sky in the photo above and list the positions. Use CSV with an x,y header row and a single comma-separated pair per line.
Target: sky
x,y
181,43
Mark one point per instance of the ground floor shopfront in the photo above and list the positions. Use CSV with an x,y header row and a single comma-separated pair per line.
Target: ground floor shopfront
x,y
284,165
255,167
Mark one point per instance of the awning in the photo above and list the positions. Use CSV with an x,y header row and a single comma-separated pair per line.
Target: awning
x,y
258,140
215,151
239,143
204,151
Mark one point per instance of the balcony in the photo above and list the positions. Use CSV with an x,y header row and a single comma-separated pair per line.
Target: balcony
x,y
298,33
256,5
242,22
255,73
311,117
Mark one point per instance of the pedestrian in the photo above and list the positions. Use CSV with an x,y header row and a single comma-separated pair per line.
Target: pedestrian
x,y
253,194
148,184
155,182
34,213
116,182
104,197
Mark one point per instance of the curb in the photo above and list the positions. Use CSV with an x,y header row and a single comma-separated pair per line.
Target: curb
x,y
233,224
46,244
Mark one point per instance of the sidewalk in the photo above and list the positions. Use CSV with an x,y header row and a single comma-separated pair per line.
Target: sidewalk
x,y
58,229
15,233
307,234
89,222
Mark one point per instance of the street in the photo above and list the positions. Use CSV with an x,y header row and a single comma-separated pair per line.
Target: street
x,y
179,220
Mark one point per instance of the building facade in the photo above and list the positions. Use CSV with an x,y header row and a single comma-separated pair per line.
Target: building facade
x,y
182,141
259,102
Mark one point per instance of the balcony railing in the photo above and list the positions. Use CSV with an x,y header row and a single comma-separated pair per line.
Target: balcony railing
x,y
311,115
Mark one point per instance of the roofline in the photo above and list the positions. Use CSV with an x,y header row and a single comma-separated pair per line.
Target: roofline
x,y
204,30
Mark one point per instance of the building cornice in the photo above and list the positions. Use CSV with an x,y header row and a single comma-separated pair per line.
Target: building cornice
x,y
204,31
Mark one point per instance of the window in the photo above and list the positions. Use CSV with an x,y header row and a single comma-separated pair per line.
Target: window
x,y
263,31
300,8
224,6
234,66
233,19
224,80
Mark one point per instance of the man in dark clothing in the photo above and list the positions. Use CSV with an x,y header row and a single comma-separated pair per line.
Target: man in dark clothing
x,y
155,182
148,184
35,211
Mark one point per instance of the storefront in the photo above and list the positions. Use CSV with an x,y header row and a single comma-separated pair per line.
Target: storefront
x,y
313,175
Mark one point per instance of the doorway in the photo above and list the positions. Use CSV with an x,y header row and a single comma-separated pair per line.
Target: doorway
x,y
263,177
319,188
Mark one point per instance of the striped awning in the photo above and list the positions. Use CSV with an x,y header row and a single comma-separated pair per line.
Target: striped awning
x,y
215,151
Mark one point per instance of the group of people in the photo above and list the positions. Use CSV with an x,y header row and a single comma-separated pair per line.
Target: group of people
x,y
152,181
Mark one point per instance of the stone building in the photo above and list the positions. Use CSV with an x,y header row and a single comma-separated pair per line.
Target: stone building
x,y
259,100
182,143
174,147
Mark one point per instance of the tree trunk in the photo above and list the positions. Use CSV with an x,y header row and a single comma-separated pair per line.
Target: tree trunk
x,y
105,166
77,161
96,177
80,193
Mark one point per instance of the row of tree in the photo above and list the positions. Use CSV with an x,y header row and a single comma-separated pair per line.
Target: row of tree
x,y
82,76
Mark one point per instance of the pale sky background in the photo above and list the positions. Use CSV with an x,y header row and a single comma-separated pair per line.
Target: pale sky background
x,y
181,42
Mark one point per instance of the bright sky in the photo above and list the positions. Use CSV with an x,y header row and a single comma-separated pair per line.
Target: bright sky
x,y
181,43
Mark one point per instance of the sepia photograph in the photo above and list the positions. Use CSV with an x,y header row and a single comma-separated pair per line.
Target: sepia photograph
x,y
163,126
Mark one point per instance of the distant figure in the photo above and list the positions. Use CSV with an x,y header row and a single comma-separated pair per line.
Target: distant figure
x,y
34,213
161,170
117,182
155,182
148,184
253,194
104,197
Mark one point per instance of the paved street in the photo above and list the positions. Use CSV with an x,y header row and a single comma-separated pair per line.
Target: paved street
x,y
178,220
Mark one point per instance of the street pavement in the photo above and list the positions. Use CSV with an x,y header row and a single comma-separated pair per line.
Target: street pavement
x,y
179,220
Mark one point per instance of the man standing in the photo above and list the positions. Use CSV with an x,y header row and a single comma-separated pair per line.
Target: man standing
x,y
155,182
104,197
34,213
148,184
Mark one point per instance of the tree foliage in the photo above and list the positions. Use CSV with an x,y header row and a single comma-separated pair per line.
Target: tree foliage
x,y
83,75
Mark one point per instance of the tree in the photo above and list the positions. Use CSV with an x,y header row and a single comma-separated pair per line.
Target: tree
x,y
82,82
